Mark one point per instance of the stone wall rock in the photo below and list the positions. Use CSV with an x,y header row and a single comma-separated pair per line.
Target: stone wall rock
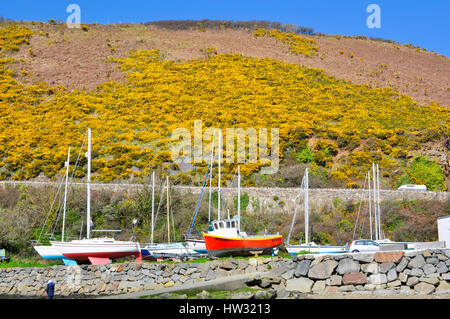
x,y
393,257
416,262
354,279
301,284
348,265
322,270
302,268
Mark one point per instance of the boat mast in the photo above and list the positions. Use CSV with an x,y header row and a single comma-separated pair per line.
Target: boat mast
x,y
168,210
306,207
370,206
374,176
220,159
210,179
239,200
153,205
88,207
65,194
378,202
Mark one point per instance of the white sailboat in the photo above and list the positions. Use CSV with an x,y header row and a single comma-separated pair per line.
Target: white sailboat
x,y
309,246
95,250
379,234
375,231
198,244
165,250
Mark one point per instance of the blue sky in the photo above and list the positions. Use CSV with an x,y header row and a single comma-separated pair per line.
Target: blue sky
x,y
422,23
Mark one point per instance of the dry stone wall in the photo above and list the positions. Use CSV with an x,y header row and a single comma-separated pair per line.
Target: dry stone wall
x,y
412,272
397,272
271,197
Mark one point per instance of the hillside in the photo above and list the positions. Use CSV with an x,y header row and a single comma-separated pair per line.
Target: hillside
x,y
420,74
345,101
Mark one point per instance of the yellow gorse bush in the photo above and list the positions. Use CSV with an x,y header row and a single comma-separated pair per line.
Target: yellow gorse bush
x,y
297,44
12,37
132,121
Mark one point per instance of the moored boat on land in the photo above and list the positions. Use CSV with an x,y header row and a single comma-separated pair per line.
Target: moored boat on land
x,y
308,246
225,237
226,240
195,243
96,250
167,250
315,249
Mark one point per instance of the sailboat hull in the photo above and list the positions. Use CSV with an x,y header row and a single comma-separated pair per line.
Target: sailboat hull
x,y
167,250
81,250
219,246
315,249
198,245
48,252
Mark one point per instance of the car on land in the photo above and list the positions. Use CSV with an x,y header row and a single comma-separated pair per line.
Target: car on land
x,y
363,245
413,187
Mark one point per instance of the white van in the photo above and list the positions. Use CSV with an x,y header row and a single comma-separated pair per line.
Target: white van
x,y
413,187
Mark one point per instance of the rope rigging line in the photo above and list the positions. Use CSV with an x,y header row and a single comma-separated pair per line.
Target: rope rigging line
x,y
364,218
50,210
302,186
359,210
159,202
198,202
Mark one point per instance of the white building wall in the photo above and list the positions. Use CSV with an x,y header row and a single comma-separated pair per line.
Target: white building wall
x,y
444,230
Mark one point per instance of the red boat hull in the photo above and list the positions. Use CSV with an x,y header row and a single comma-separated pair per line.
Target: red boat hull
x,y
219,246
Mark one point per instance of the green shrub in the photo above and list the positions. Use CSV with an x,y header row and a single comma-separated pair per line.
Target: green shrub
x,y
344,225
305,155
337,202
244,201
321,238
426,172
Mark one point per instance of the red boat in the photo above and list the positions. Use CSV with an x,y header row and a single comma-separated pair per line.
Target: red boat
x,y
225,240
224,237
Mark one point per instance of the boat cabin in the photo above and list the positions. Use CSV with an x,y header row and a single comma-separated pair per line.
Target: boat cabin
x,y
225,227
